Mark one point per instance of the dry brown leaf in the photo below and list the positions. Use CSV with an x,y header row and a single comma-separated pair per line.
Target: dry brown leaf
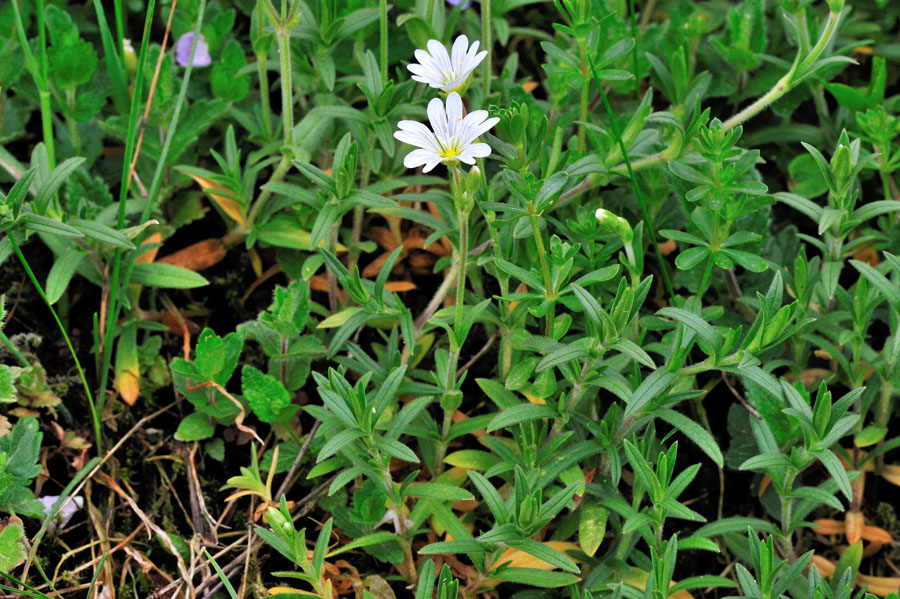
x,y
879,585
867,255
876,535
198,256
150,255
399,286
667,247
853,522
827,526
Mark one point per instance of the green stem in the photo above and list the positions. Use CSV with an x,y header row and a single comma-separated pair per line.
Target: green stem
x,y
585,91
463,217
105,352
87,390
382,5
264,94
786,83
44,91
280,171
287,89
549,292
14,350
782,87
486,40
637,188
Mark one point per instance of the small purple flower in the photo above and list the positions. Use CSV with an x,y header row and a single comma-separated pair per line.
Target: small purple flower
x,y
183,51
456,3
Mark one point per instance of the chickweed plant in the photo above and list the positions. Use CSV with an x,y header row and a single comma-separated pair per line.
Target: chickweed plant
x,y
450,299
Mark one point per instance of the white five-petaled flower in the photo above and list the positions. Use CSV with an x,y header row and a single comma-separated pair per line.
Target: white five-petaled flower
x,y
451,137
447,72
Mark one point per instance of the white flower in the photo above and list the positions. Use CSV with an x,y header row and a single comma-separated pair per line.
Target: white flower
x,y
447,72
451,137
66,511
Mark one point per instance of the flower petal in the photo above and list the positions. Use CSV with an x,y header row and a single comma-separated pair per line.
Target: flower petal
x,y
418,158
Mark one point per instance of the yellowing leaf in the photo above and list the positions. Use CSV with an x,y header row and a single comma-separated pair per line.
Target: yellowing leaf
x,y
228,206
336,320
128,385
891,473
277,590
531,398
520,559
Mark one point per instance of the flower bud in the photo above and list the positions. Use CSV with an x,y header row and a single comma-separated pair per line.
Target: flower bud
x,y
610,223
130,57
841,164
473,180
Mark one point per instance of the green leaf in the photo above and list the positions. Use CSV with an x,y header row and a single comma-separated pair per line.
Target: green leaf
x,y
51,226
12,547
61,273
836,470
366,541
195,428
657,382
266,394
592,525
693,322
545,553
338,442
102,233
694,432
224,80
457,546
535,577
491,497
438,491
885,288
158,274
471,459
7,384
519,414
52,183
734,524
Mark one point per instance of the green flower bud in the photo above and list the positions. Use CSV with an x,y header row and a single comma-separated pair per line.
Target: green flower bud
x,y
841,165
473,180
130,57
610,223
607,220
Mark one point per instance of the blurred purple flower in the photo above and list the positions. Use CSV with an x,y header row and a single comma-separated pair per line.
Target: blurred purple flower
x,y
456,2
183,51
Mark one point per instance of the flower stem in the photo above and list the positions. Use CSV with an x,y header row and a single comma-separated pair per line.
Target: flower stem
x,y
549,293
463,260
637,188
287,89
585,90
382,4
264,94
786,83
486,35
95,414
